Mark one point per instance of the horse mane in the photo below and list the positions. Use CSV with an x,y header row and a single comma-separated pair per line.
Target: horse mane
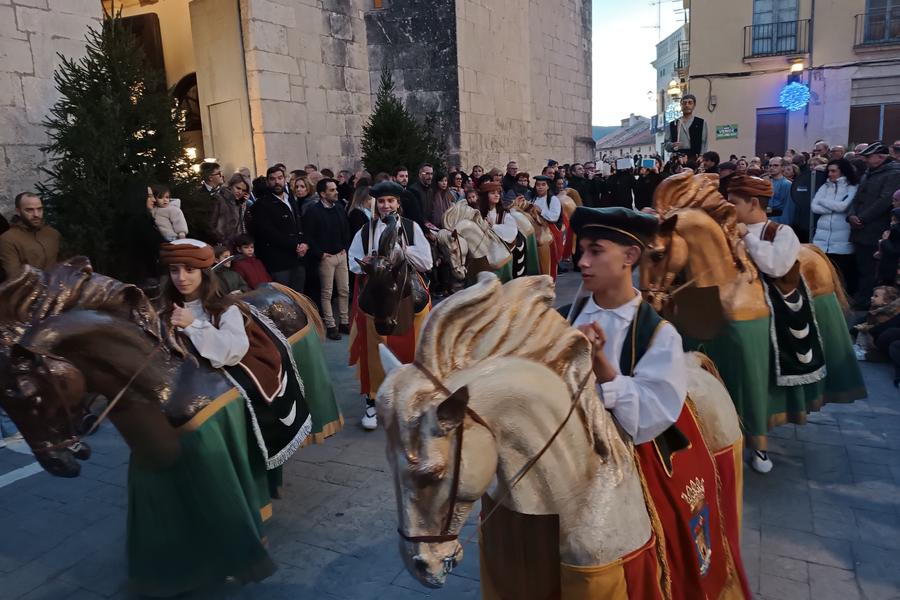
x,y
700,191
36,295
516,319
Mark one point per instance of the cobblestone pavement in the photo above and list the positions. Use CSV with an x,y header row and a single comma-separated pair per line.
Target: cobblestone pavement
x,y
825,524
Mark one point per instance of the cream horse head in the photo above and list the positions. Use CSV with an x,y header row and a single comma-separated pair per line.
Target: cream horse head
x,y
481,374
481,241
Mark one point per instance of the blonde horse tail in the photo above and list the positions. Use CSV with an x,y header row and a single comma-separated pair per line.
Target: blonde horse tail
x,y
836,278
306,305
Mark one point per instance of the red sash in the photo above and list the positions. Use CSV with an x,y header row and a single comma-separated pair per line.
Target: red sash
x,y
689,511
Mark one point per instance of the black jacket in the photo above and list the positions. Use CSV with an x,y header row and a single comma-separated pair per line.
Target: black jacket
x,y
418,201
872,203
620,186
583,187
644,188
277,230
801,194
508,182
327,229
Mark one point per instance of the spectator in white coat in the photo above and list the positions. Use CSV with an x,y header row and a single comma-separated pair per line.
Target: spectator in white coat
x,y
831,204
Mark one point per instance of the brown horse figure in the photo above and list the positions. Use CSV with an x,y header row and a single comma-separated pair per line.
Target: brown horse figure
x,y
392,291
69,331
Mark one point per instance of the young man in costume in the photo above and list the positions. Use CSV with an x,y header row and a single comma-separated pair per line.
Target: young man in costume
x,y
799,357
641,378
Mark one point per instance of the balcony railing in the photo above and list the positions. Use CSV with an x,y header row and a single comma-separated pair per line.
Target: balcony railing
x,y
684,56
877,28
776,39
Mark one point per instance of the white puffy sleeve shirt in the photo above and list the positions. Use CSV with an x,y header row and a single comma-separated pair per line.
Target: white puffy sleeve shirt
x,y
224,345
507,230
551,208
418,252
650,401
773,258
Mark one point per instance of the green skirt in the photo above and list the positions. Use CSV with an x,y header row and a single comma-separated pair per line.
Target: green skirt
x,y
743,354
199,521
317,388
532,258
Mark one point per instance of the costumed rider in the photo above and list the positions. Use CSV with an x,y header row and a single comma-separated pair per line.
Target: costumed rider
x,y
233,341
213,323
775,248
550,209
641,375
495,214
413,243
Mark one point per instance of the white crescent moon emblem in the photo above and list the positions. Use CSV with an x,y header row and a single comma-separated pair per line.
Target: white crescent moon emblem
x,y
795,306
289,420
805,358
799,333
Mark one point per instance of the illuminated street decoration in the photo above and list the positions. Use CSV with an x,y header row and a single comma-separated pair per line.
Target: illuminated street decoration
x,y
794,96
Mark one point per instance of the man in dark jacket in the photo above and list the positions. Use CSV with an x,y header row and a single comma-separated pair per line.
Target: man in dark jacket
x,y
801,194
869,215
421,191
328,234
509,180
581,185
409,202
277,227
199,206
620,188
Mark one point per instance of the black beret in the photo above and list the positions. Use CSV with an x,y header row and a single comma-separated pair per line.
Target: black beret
x,y
542,178
620,225
386,188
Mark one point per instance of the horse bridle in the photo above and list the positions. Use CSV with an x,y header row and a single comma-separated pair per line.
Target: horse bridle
x,y
446,535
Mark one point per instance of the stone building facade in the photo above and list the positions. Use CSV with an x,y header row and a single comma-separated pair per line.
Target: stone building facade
x,y
293,81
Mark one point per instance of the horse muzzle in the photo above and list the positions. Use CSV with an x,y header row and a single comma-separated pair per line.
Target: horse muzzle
x,y
386,326
431,564
60,462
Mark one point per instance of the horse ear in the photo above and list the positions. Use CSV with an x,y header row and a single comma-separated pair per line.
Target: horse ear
x,y
452,411
455,234
363,265
668,226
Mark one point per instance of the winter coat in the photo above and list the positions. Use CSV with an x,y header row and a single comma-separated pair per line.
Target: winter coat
x,y
872,203
228,217
22,245
832,202
278,231
170,221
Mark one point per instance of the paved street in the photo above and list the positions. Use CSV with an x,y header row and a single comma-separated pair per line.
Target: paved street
x,y
825,524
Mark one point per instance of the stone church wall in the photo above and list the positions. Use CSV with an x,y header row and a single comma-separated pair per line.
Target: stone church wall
x,y
31,34
308,80
417,42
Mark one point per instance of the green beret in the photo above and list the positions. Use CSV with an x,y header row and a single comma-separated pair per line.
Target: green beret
x,y
620,225
386,188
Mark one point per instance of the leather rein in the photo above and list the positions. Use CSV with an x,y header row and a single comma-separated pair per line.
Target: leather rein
x,y
446,534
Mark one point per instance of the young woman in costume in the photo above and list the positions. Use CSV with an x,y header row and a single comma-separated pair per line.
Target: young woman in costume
x,y
364,339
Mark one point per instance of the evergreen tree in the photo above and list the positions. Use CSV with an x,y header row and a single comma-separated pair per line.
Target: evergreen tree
x,y
113,131
393,137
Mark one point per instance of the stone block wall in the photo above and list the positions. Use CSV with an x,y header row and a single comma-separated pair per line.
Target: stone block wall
x,y
560,46
496,108
417,41
308,80
32,32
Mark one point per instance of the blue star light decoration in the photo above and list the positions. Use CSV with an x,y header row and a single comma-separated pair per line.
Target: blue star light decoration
x,y
794,96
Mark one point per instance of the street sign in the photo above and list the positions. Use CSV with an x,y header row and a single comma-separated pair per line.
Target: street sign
x,y
726,132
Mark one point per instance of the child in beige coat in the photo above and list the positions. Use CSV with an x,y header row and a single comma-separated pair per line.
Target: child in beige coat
x,y
168,217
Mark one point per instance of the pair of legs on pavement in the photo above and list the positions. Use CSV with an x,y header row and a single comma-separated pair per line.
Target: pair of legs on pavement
x,y
334,275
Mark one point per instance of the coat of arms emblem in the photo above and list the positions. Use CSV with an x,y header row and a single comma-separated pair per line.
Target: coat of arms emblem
x,y
695,496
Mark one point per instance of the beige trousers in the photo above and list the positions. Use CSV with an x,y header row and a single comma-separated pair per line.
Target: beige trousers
x,y
333,271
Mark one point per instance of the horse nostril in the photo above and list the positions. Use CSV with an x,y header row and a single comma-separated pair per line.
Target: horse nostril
x,y
421,564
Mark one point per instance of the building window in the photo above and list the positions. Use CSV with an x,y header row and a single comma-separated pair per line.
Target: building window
x,y
874,122
771,131
774,27
882,22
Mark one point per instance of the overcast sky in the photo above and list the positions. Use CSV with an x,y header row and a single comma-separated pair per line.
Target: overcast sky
x,y
624,45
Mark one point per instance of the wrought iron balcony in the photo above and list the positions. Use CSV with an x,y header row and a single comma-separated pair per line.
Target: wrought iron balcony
x,y
878,28
684,57
786,38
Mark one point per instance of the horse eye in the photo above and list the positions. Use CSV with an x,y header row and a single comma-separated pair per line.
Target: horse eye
x,y
656,256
